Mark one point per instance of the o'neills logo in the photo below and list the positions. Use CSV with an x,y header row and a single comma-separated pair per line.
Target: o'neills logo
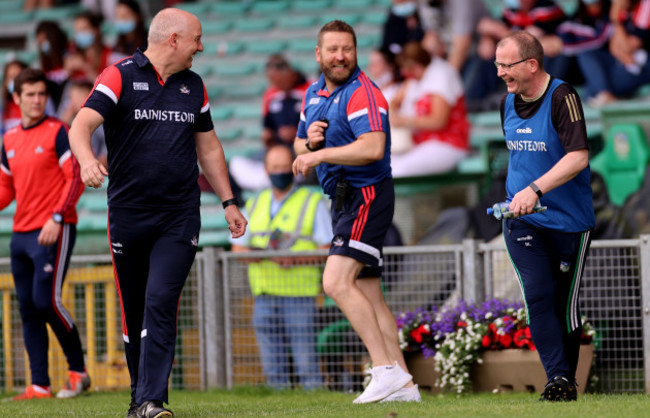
x,y
524,131
163,115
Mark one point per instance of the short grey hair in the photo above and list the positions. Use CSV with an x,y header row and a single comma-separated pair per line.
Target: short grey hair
x,y
166,22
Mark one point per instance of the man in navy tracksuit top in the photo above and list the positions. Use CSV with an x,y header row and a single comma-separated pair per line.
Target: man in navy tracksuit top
x,y
344,134
546,136
156,118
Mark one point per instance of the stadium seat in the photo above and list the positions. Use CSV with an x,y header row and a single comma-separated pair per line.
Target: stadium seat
x,y
266,8
310,6
221,112
211,219
10,6
247,111
244,91
229,10
214,239
229,134
233,70
6,225
213,49
209,199
214,92
216,27
93,201
623,161
257,24
16,17
253,131
57,13
352,4
374,18
302,45
196,8
349,18
265,47
295,22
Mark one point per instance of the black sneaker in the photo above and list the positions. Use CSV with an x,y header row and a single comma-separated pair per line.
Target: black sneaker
x,y
153,409
559,389
133,410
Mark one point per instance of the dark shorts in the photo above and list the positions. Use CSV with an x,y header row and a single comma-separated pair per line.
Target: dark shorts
x,y
360,227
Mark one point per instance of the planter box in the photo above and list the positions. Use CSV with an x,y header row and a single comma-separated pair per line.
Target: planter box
x,y
511,370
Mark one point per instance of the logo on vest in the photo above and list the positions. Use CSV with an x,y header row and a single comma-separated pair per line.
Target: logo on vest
x,y
195,241
525,130
127,63
314,100
163,115
184,89
338,241
39,150
140,86
11,153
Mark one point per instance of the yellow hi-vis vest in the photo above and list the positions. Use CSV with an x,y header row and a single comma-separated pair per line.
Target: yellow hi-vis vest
x,y
291,229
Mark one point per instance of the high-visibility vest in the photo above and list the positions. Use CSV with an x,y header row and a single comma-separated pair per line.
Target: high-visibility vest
x,y
291,229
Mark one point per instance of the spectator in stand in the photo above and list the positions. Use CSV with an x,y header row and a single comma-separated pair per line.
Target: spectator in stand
x,y
630,44
383,70
538,17
431,103
454,23
280,116
89,55
78,92
10,110
52,45
402,25
286,217
586,36
129,23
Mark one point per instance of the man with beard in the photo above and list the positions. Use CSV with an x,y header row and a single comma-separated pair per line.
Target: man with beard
x,y
344,134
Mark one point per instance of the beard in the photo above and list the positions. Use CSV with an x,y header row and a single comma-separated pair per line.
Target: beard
x,y
338,77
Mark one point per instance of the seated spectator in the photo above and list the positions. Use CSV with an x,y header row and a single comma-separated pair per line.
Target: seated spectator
x,y
431,104
52,45
383,70
286,217
10,110
89,55
586,36
78,92
131,31
402,25
280,116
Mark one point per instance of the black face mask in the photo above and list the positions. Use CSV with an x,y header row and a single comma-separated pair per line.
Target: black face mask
x,y
281,181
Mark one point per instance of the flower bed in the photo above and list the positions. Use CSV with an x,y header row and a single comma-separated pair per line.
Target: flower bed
x,y
455,337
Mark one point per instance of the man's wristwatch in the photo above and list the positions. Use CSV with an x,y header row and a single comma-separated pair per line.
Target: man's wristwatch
x,y
308,147
229,202
57,217
533,186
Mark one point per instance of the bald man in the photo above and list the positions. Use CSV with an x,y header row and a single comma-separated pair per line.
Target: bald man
x,y
156,118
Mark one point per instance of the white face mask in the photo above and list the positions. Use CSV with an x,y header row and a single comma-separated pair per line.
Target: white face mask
x,y
404,9
512,4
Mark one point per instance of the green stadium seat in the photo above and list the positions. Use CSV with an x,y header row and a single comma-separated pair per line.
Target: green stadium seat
x,y
229,134
295,22
6,225
247,111
209,199
253,131
10,6
623,161
349,18
196,8
232,70
214,49
353,4
257,24
214,239
244,91
311,5
57,13
16,17
216,27
265,47
368,41
266,8
9,210
302,45
202,66
214,92
92,223
374,18
229,10
211,219
93,201
221,112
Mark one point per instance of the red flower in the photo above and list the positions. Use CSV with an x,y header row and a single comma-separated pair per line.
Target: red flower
x,y
461,324
531,345
416,334
505,340
528,335
486,341
520,339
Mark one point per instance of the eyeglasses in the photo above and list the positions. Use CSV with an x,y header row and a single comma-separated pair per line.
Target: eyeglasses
x,y
508,66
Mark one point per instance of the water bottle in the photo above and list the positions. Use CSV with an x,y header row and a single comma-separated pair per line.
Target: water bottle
x,y
502,210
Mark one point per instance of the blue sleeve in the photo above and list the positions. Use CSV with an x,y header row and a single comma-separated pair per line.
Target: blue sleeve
x,y
62,144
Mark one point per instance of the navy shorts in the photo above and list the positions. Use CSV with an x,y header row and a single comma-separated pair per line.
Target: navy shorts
x,y
360,227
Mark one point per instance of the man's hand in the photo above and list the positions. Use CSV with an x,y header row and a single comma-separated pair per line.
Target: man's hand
x,y
316,134
236,221
304,163
49,233
92,173
523,203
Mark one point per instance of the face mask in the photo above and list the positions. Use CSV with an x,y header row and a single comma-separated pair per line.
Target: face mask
x,y
10,86
512,4
124,26
84,39
46,47
404,9
281,181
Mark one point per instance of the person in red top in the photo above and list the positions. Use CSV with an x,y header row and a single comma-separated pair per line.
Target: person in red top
x,y
39,171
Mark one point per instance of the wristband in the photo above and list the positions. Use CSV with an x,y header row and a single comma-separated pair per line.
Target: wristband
x,y
230,202
308,147
533,186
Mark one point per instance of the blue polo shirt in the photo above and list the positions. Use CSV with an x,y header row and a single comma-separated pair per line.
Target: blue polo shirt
x,y
149,126
352,109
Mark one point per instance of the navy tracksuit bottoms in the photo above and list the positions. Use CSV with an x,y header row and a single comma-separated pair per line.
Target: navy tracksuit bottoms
x,y
38,273
153,252
550,265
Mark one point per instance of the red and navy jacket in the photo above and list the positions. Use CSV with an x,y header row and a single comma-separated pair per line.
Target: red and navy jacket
x,y
40,172
353,109
150,126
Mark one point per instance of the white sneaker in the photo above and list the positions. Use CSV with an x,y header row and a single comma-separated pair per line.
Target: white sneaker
x,y
386,380
404,395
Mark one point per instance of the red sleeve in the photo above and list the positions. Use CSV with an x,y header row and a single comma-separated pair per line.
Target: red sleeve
x,y
7,192
367,100
109,82
73,185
